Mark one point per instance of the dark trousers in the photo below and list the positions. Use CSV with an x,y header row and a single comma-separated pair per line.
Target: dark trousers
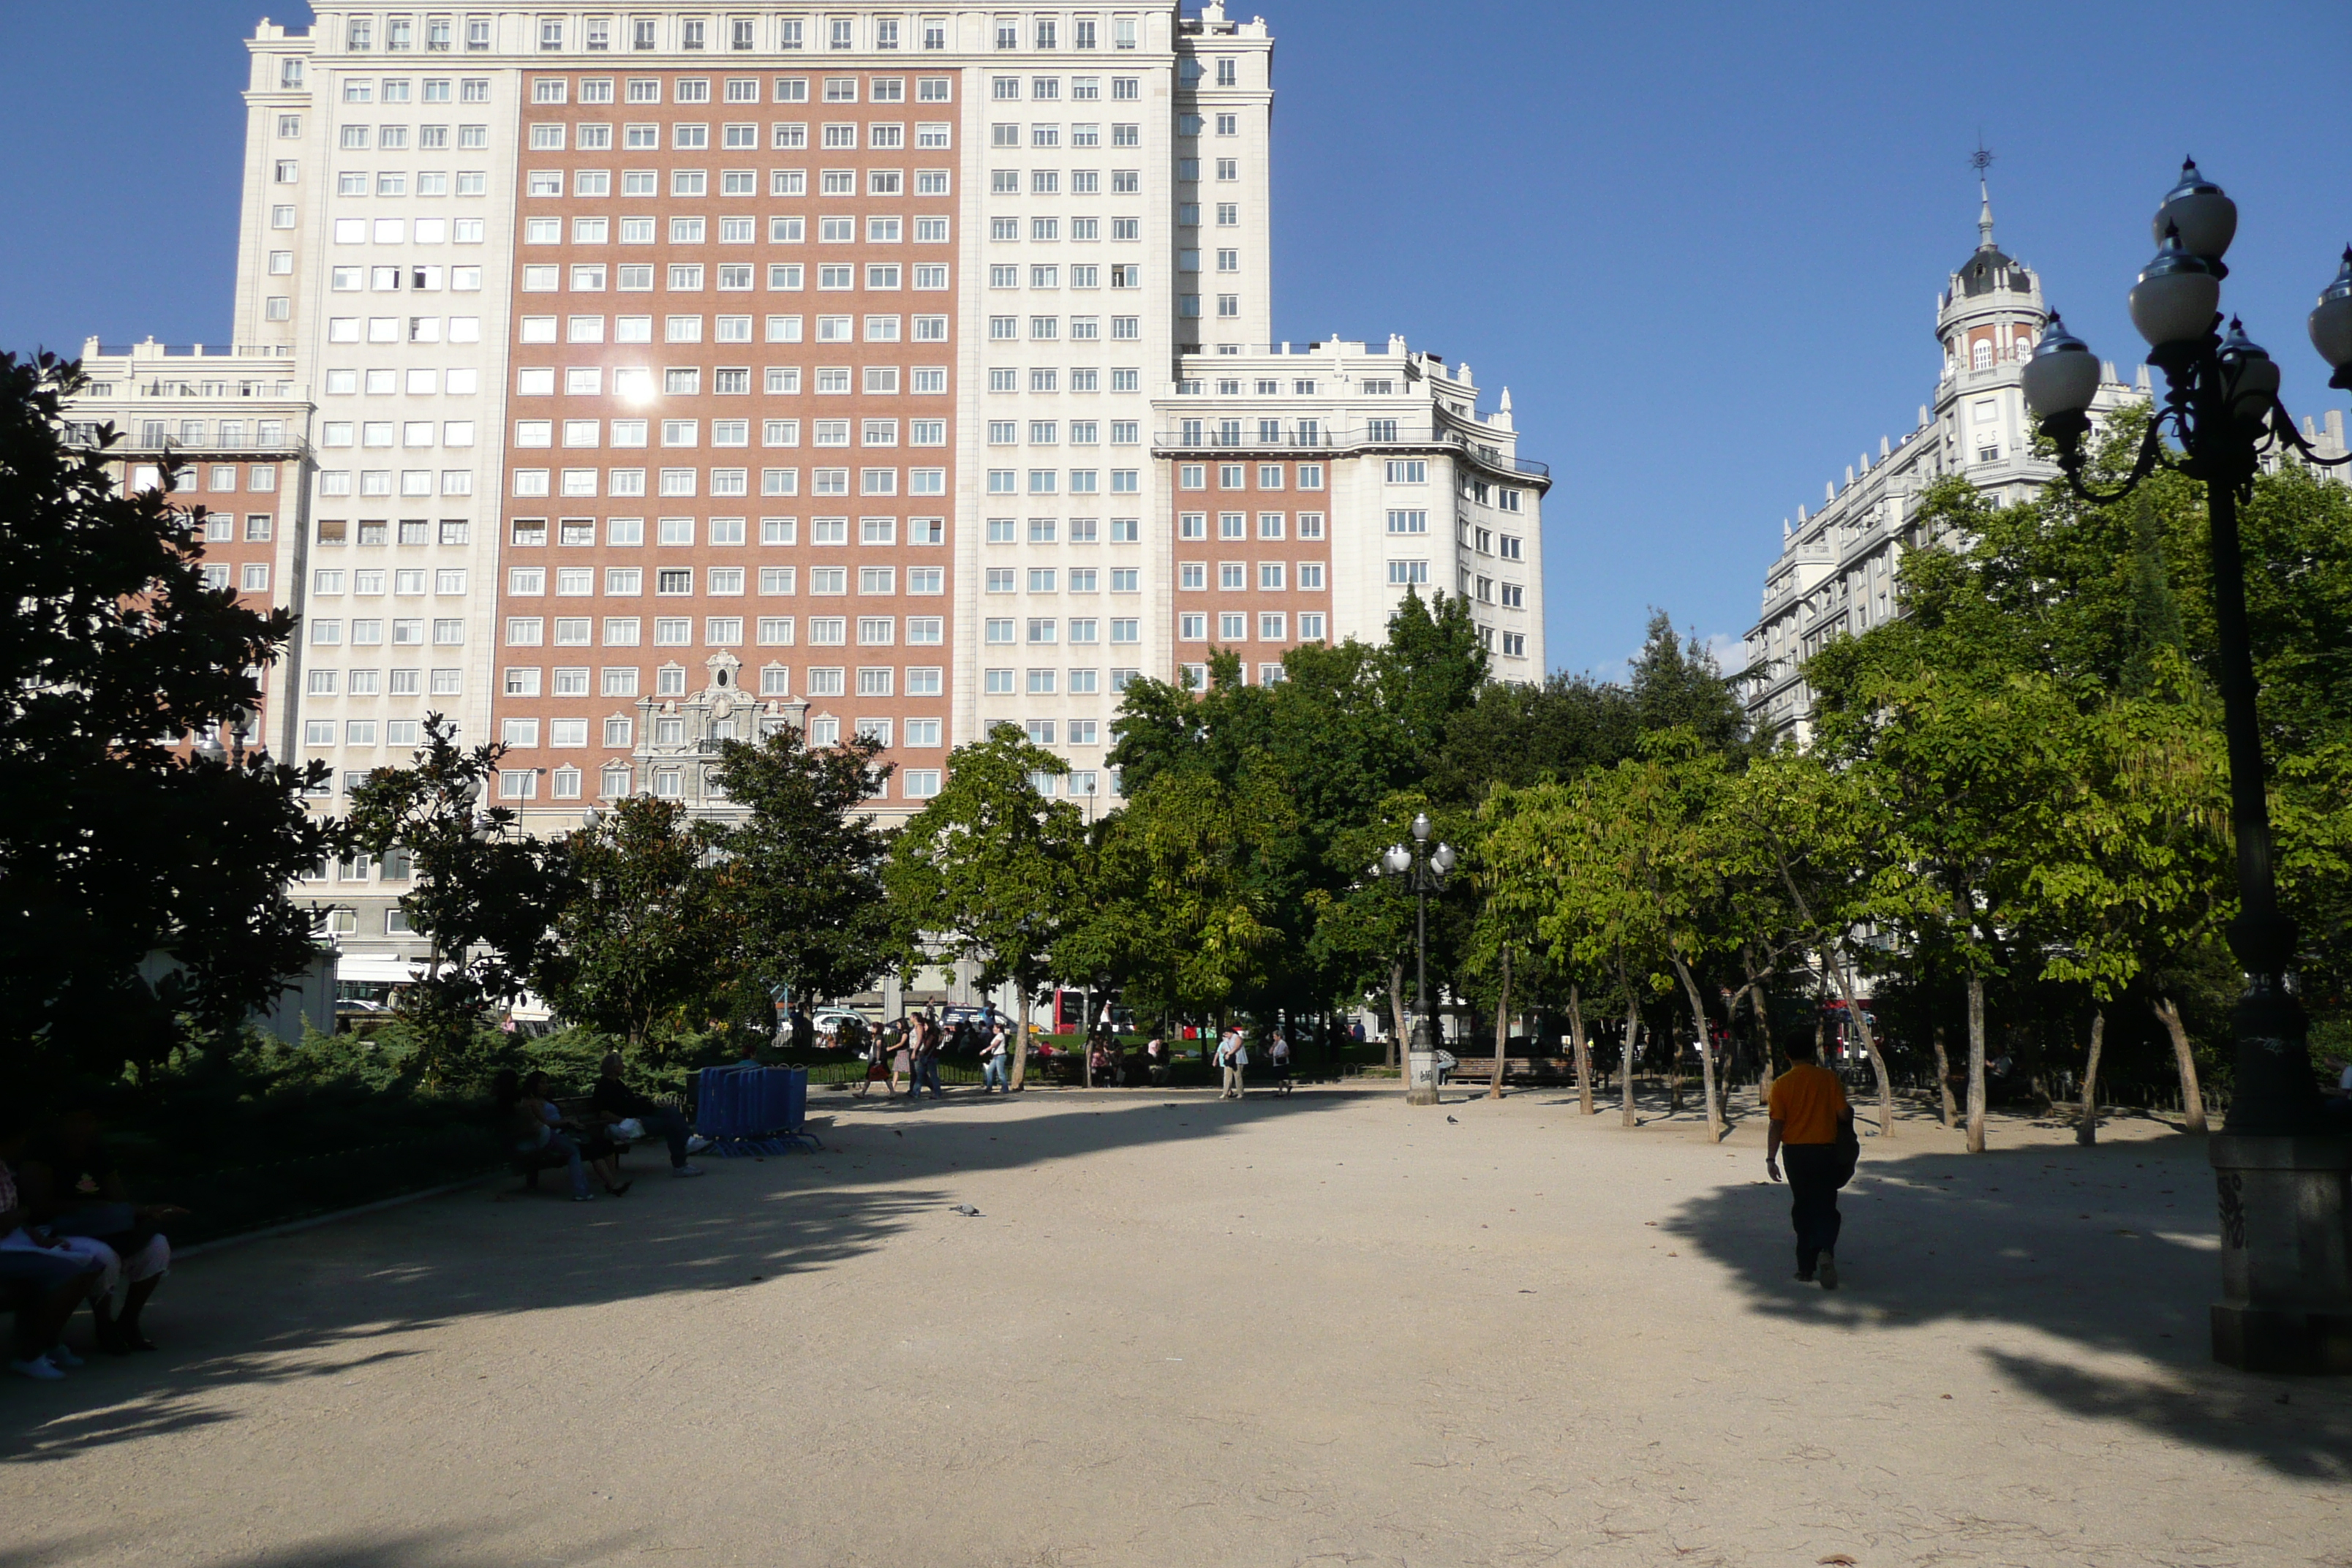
x,y
669,1126
1813,1170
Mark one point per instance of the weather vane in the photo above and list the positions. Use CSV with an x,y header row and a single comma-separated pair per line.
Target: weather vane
x,y
1982,159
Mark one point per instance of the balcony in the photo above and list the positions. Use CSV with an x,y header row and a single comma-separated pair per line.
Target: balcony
x,y
1212,440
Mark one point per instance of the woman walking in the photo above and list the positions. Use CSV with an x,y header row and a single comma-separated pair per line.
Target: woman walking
x,y
991,1062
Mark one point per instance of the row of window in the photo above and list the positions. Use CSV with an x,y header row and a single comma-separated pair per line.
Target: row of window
x,y
396,89
872,432
618,734
596,34
733,278
461,381
414,433
530,483
253,577
725,582
1047,482
1047,580
1237,476
404,330
692,229
328,681
1083,378
1047,432
1046,682
1083,329
370,633
378,484
219,476
1082,134
424,137
534,330
742,89
1047,530
359,182
1234,626
646,136
694,184
669,680
1083,183
1046,631
404,581
399,230
630,532
618,779
726,631
1049,229
337,531
1233,577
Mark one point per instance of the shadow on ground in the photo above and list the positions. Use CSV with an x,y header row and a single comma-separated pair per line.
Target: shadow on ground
x,y
342,1296
2110,1250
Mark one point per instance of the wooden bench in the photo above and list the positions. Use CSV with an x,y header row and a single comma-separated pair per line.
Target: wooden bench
x,y
1547,1070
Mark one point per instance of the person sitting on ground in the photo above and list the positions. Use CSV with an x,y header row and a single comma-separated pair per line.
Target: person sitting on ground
x,y
48,1278
613,1100
77,1194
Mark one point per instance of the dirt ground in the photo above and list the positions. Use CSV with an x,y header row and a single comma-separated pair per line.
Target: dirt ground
x,y
1329,1329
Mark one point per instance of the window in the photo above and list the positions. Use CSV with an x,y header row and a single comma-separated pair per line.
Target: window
x,y
1408,523
1404,573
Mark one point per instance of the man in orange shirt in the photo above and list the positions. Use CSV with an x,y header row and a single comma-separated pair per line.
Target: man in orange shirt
x,y
1807,1108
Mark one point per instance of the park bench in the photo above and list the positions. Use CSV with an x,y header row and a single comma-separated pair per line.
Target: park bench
x,y
1477,1069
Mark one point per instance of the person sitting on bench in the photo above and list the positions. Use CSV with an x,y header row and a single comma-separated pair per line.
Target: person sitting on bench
x,y
42,1279
75,1193
616,1101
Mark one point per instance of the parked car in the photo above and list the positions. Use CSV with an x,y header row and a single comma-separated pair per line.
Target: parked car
x,y
830,1025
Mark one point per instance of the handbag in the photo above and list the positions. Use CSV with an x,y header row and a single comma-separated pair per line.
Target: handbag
x,y
1849,1148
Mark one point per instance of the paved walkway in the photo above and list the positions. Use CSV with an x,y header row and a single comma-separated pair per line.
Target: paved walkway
x,y
1327,1329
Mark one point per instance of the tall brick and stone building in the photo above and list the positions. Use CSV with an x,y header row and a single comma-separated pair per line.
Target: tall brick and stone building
x,y
631,377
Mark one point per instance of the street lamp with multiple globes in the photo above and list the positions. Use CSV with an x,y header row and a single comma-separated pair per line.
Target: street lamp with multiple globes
x,y
1424,870
2286,1278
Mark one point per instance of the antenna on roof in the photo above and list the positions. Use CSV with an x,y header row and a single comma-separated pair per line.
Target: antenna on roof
x,y
1981,160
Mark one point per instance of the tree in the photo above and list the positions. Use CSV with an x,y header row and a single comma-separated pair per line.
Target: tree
x,y
1177,911
648,935
989,867
486,896
1671,840
114,842
804,882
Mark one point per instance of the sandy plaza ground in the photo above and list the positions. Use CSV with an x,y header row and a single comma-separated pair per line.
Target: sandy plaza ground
x,y
1329,1329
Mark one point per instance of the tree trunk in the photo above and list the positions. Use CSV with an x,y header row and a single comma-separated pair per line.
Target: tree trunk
x,y
1396,1008
1019,1032
1951,1112
1857,1019
2086,1131
1715,1127
2192,1099
1502,1026
1760,1005
1975,1065
1626,1062
1583,1048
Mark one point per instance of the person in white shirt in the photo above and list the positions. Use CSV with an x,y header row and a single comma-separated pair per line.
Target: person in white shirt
x,y
1277,1051
991,1062
1232,1056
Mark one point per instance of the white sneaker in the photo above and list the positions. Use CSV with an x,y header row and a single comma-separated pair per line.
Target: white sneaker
x,y
37,1368
583,1197
697,1144
59,1355
685,1170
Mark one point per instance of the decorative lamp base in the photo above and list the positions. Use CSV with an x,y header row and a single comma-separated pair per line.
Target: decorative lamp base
x,y
1420,1077
2286,1254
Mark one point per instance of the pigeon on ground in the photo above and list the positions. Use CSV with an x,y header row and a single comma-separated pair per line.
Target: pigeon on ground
x,y
1454,1119
966,1209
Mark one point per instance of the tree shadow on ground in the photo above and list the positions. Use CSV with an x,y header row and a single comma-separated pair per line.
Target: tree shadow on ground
x,y
323,1301
2109,1248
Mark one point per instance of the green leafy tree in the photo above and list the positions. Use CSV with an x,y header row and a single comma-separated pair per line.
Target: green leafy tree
x,y
648,936
989,869
114,840
485,895
805,876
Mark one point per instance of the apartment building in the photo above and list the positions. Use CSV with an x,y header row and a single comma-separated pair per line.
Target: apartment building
x,y
652,374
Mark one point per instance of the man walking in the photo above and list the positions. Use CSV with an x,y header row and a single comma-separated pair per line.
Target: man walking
x,y
991,1062
1232,1056
1808,1112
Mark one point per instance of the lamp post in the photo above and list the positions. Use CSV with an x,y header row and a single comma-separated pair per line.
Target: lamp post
x,y
1424,869
2286,1279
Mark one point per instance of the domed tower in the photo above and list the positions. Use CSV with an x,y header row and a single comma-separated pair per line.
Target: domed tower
x,y
1988,320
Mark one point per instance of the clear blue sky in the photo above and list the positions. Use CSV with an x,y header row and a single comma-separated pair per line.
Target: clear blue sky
x,y
1700,243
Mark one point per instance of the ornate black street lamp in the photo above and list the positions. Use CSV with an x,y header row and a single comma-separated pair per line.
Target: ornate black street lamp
x,y
2286,1278
1424,870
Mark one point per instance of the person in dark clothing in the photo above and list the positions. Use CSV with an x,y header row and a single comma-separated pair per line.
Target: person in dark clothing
x,y
613,1100
74,1191
1807,1111
803,1029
